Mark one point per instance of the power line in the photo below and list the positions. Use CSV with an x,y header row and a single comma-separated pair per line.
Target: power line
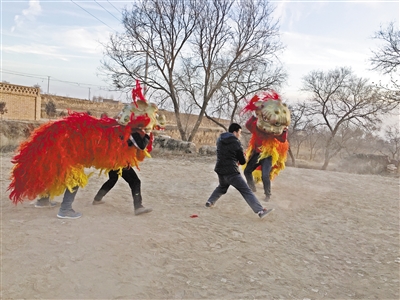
x,y
92,15
53,79
107,10
25,75
114,7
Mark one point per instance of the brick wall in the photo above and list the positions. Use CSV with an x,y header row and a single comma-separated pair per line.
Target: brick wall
x,y
22,102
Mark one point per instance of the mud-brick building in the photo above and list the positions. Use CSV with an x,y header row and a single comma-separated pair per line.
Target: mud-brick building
x,y
22,102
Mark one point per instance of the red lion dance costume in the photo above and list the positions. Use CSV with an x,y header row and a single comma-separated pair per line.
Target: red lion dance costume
x,y
268,128
56,154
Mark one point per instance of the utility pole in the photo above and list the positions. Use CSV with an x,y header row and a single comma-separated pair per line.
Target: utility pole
x,y
89,94
48,84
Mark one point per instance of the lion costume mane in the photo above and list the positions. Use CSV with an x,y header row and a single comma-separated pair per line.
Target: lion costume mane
x,y
55,155
271,119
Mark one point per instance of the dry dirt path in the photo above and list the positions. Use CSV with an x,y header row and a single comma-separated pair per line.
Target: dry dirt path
x,y
332,236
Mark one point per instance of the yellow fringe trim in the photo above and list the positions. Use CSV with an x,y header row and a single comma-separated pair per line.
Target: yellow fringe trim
x,y
275,149
76,176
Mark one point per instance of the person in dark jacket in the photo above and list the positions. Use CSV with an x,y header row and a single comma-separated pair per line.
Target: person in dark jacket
x,y
139,139
229,156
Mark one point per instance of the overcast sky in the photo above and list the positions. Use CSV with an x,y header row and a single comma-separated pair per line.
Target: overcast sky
x,y
56,43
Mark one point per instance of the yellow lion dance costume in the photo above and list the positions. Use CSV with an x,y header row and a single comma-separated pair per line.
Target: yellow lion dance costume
x,y
268,127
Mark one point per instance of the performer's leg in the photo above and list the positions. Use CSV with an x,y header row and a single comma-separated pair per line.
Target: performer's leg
x,y
45,202
66,211
238,182
266,165
134,182
220,190
252,164
106,187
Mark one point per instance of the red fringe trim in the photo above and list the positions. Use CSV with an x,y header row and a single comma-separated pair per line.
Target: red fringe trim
x,y
54,149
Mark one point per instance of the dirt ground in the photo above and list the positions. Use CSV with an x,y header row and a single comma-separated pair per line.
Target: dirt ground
x,y
331,236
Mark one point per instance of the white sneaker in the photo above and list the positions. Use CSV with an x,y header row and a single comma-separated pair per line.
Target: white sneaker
x,y
209,204
45,204
142,210
97,202
68,214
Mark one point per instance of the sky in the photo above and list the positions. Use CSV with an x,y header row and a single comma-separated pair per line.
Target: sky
x,y
57,44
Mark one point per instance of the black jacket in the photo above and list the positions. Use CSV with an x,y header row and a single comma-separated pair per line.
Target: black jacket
x,y
139,140
229,154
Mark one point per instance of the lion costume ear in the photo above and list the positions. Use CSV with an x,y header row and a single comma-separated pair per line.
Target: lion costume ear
x,y
137,93
251,104
254,104
271,95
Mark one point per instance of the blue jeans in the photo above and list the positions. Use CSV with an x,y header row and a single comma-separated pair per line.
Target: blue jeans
x,y
237,181
68,198
266,166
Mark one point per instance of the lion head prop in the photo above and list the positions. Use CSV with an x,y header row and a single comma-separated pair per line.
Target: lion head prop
x,y
133,114
273,116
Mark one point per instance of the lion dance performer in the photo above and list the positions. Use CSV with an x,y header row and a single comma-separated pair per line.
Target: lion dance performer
x,y
53,159
267,150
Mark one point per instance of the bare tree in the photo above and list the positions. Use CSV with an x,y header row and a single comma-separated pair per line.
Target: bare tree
x,y
187,52
386,59
298,129
50,109
360,141
371,143
342,139
230,100
392,136
38,87
3,109
315,140
338,99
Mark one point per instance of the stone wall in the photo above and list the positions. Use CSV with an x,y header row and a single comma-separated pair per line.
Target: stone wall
x,y
22,102
204,136
166,143
369,164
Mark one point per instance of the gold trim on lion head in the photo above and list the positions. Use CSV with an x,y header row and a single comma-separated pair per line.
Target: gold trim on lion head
x,y
273,116
137,113
143,108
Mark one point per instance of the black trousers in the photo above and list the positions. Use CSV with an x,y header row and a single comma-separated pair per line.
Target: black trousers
x,y
130,176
